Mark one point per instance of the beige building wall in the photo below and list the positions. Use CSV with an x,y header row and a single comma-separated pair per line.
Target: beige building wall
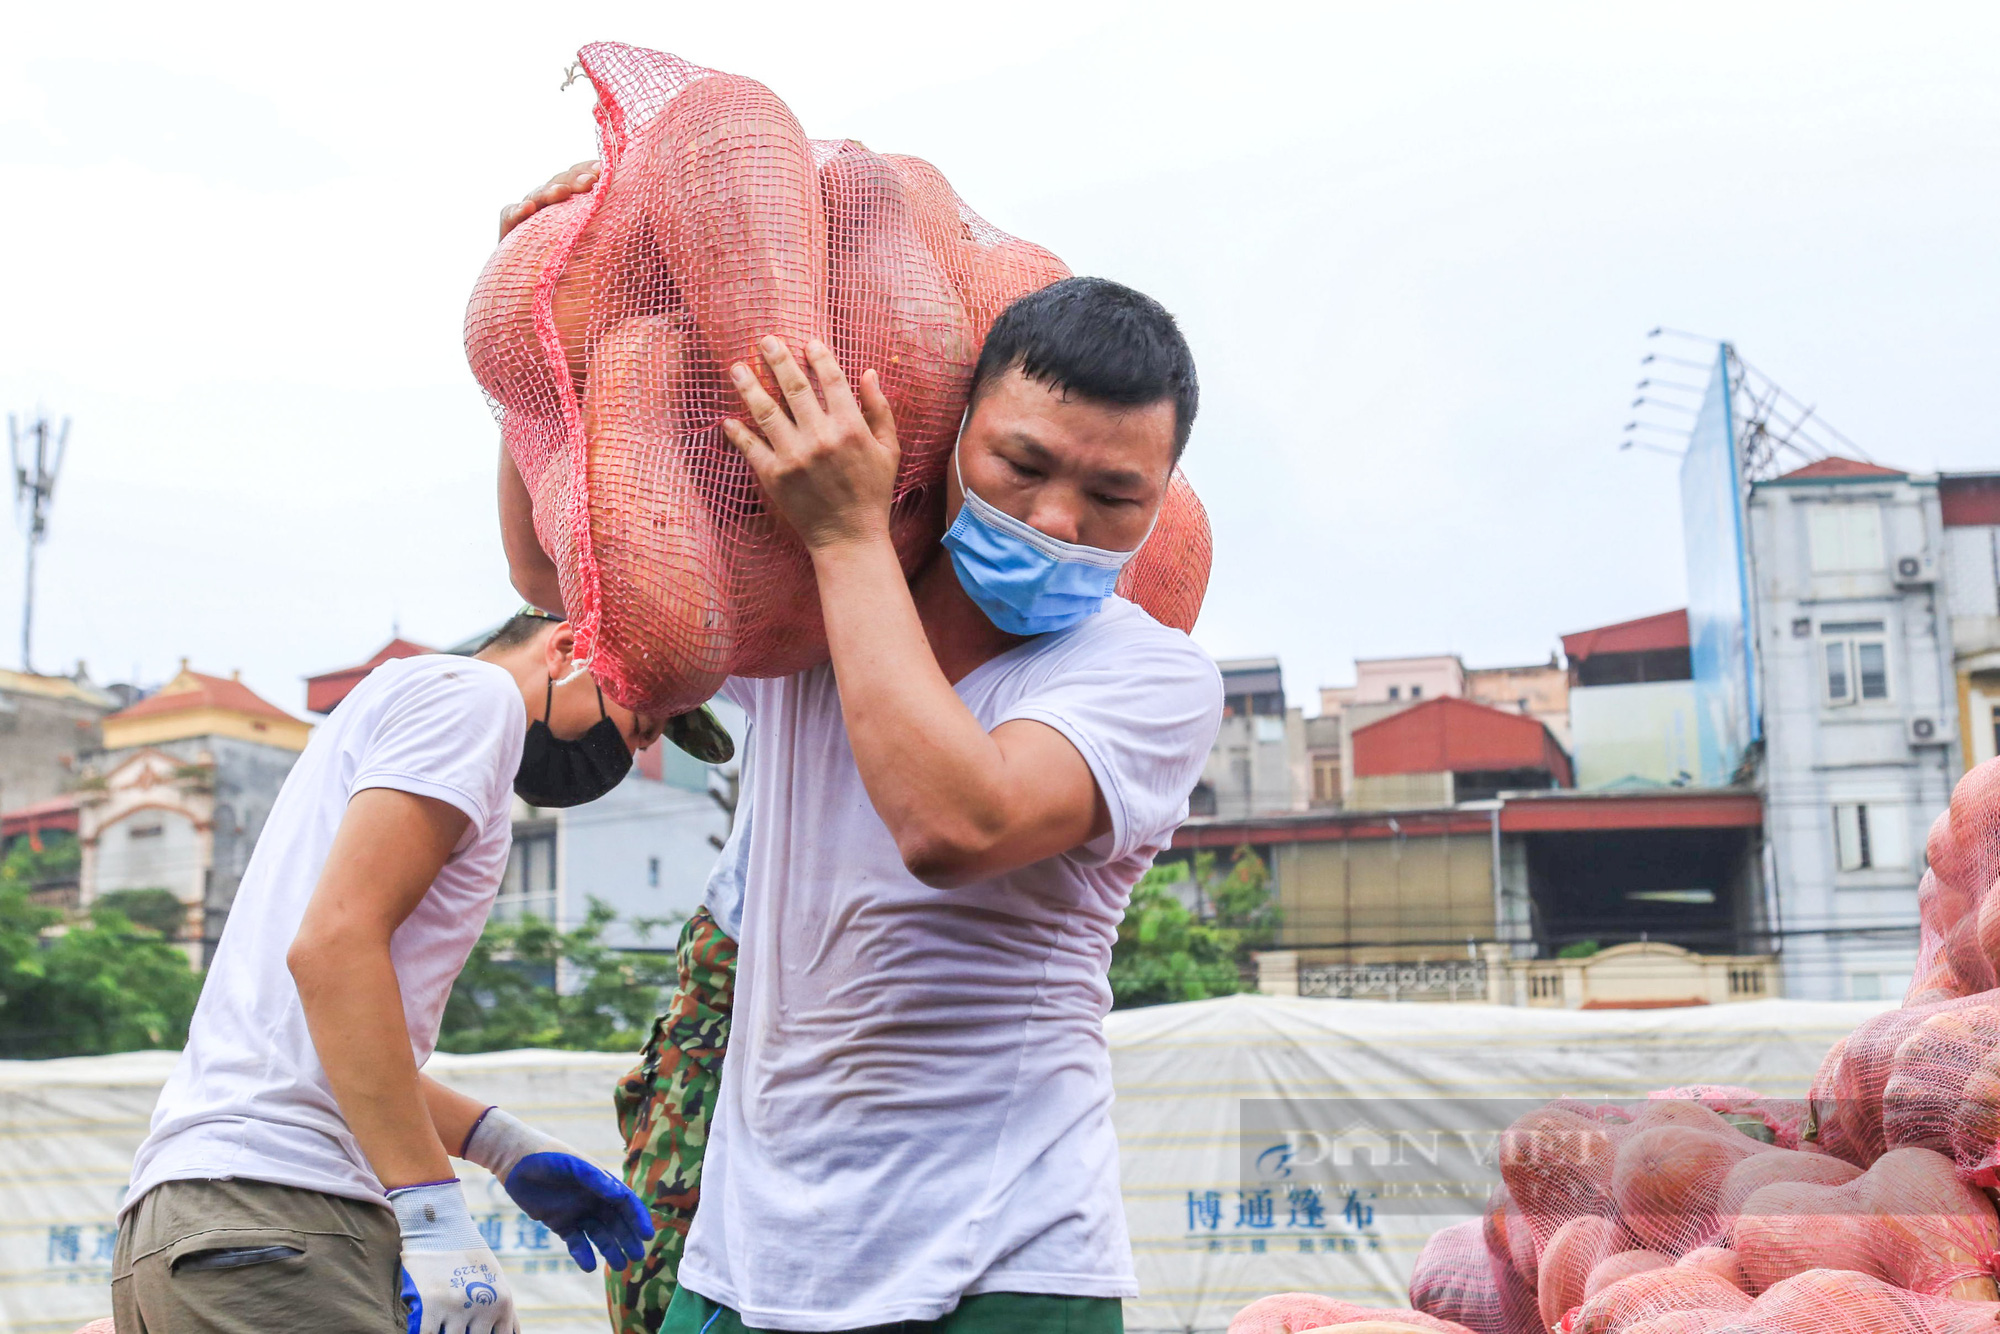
x,y
1540,691
1408,680
1399,898
1399,792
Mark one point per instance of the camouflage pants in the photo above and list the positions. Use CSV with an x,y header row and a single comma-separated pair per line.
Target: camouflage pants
x,y
664,1106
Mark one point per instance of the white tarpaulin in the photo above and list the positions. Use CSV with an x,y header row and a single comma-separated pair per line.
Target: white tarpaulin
x,y
1218,1215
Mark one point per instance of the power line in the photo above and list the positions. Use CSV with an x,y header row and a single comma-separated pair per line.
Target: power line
x,y
34,494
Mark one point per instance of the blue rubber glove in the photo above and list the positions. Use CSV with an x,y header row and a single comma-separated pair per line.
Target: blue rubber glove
x,y
566,1193
413,1303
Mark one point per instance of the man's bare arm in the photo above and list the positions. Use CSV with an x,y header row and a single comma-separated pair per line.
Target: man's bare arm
x,y
389,848
532,572
453,1115
963,804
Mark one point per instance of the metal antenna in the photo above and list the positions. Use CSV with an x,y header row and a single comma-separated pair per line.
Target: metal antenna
x,y
1775,430
36,466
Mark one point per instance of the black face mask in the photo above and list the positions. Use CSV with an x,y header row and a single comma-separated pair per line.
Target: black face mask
x,y
560,773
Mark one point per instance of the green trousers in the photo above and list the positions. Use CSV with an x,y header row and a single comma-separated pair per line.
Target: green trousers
x,y
987,1313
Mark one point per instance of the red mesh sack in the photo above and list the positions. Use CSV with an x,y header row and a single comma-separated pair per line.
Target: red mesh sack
x,y
1458,1277
1648,1295
1783,1118
1556,1162
1945,1061
1908,1220
1294,1312
1572,1258
600,329
1657,1171
1834,1301
1959,948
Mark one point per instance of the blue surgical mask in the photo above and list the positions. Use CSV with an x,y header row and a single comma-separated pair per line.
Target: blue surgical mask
x,y
1027,582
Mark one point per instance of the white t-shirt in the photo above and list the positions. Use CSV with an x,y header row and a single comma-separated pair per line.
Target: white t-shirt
x,y
248,1097
916,1104
723,894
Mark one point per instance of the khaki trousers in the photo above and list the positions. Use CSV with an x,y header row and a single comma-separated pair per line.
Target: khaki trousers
x,y
249,1257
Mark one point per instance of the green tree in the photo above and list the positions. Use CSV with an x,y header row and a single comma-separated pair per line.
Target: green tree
x,y
86,987
30,867
1241,899
1166,953
506,996
158,910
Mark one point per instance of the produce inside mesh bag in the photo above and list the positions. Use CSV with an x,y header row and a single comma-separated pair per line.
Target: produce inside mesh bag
x,y
601,328
1666,1216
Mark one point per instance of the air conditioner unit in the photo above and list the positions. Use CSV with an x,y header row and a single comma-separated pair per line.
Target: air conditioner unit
x,y
1915,568
1925,730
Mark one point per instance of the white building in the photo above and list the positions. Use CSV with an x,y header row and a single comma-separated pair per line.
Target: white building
x,y
645,849
1860,715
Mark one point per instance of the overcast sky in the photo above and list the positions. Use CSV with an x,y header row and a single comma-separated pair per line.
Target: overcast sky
x,y
1416,247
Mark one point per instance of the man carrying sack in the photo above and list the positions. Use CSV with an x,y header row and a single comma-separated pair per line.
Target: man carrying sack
x,y
297,1172
912,1123
914,1120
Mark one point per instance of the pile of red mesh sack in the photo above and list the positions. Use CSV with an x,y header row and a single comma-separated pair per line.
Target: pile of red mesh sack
x,y
601,327
1706,1209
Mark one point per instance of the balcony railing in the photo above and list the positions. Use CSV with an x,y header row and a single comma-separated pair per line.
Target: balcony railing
x,y
1461,979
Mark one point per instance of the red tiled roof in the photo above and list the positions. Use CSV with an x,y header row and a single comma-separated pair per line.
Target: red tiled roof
x,y
1835,466
325,691
55,813
1648,634
1452,735
209,692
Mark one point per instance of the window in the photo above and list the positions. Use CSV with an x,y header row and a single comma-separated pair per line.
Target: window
x,y
1996,731
1416,692
1269,729
652,872
1857,661
1871,836
1395,692
529,883
1839,688
1326,780
1844,538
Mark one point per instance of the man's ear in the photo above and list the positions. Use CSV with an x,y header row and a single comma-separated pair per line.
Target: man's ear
x,y
557,651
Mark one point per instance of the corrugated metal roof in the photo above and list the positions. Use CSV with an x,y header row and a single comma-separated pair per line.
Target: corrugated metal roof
x,y
1451,735
1647,634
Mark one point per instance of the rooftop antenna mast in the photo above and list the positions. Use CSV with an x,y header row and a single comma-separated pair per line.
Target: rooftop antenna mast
x,y
1775,431
37,456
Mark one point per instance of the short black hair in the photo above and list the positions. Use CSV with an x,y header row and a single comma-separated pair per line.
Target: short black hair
x,y
519,628
1098,340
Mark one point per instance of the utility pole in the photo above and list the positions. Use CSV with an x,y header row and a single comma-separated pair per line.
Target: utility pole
x,y
36,463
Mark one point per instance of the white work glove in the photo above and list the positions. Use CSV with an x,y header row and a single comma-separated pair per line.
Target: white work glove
x,y
560,1189
447,1266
